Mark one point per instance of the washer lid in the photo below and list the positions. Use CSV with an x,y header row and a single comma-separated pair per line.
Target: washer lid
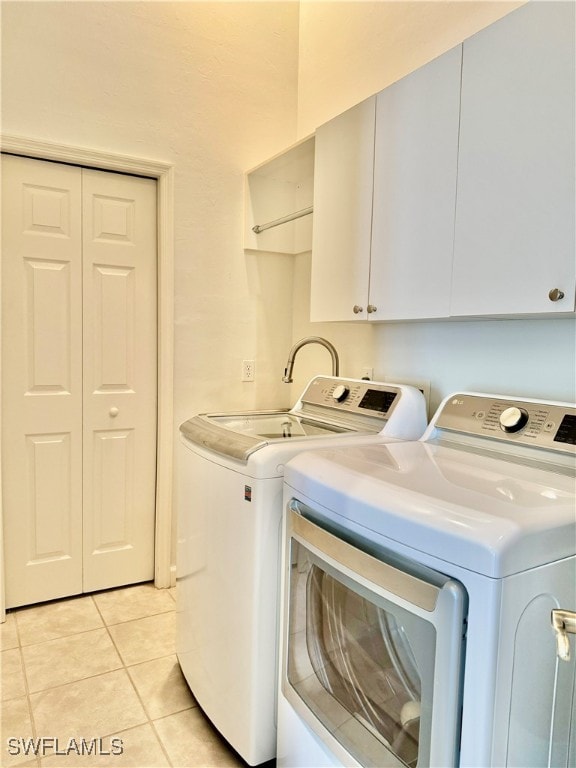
x,y
239,435
489,515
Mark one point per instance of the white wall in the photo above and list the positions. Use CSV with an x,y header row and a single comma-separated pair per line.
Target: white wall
x,y
530,358
348,51
351,49
210,87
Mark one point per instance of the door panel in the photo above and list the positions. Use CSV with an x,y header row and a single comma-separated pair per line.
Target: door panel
x,y
48,321
415,168
119,252
42,380
49,508
515,223
343,183
113,329
113,484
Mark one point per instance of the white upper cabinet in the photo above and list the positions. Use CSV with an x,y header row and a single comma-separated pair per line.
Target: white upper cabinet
x,y
416,155
515,234
451,192
384,199
343,184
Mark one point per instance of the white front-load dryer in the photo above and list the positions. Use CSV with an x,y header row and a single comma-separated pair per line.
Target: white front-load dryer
x,y
429,597
230,474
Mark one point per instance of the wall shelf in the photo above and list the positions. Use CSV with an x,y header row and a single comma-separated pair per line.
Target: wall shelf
x,y
278,202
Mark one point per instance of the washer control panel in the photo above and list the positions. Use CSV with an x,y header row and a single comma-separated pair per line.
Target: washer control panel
x,y
545,425
362,398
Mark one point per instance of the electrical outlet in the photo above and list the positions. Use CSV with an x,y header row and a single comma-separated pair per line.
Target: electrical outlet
x,y
367,372
247,370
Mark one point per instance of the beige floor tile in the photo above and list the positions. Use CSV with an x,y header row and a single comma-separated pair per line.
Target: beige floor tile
x,y
65,641
91,708
15,725
145,639
192,742
131,603
137,747
8,633
161,687
54,620
12,679
61,661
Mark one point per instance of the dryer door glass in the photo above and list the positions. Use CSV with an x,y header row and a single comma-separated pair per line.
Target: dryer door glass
x,y
364,665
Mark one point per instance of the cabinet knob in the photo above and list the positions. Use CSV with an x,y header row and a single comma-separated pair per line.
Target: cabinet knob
x,y
114,412
556,294
371,308
357,309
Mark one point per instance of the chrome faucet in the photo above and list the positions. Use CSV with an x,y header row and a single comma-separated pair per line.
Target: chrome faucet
x,y
287,378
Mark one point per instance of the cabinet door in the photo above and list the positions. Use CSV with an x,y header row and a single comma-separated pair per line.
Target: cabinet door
x,y
343,183
514,237
415,169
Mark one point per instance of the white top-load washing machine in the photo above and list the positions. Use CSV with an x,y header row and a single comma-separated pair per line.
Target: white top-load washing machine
x,y
229,515
429,595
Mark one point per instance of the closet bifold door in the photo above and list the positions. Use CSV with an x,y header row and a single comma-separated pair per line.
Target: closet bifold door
x,y
41,379
79,379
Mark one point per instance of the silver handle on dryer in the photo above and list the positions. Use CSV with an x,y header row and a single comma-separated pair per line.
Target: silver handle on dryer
x,y
382,574
564,624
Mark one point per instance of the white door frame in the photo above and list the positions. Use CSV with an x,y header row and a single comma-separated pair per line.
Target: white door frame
x,y
164,175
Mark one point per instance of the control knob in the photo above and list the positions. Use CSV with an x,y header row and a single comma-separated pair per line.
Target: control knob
x,y
340,393
513,419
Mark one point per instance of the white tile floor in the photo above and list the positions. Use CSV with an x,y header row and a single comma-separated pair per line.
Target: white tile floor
x,y
101,667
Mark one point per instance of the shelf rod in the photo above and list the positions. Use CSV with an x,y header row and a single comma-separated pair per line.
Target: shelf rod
x,y
284,220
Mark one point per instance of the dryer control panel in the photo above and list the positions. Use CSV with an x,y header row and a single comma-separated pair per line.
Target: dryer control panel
x,y
540,424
